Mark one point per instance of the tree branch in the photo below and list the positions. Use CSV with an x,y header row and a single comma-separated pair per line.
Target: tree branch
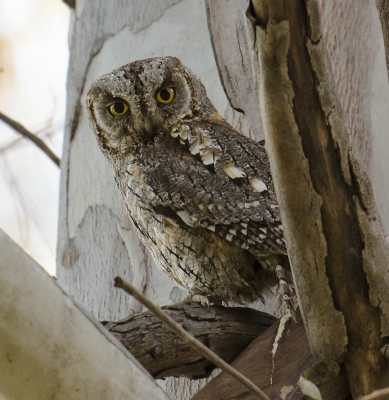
x,y
227,331
30,136
184,335
230,37
278,376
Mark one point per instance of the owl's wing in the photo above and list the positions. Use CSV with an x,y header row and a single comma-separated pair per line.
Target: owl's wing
x,y
211,177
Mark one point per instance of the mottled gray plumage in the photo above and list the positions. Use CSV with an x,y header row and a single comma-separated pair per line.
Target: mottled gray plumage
x,y
199,193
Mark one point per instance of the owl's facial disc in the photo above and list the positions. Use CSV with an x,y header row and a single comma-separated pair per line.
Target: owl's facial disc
x,y
133,103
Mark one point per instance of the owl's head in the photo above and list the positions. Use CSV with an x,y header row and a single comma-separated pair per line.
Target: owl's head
x,y
132,104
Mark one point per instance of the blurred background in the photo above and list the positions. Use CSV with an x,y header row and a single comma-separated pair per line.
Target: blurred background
x,y
33,66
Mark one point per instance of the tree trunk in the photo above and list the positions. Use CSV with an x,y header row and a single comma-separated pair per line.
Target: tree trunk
x,y
335,242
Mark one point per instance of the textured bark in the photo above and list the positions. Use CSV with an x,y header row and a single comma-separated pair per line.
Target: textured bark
x,y
353,46
383,9
226,331
277,377
334,239
231,37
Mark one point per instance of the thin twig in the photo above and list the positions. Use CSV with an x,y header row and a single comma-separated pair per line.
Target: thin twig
x,y
184,335
376,394
30,136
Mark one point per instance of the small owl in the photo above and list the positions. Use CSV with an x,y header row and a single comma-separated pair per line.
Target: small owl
x,y
200,194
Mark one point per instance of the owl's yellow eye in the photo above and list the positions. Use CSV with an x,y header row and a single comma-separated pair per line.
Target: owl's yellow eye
x,y
165,95
118,108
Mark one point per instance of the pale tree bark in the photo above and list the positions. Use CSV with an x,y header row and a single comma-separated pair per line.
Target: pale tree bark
x,y
50,348
226,331
353,37
230,31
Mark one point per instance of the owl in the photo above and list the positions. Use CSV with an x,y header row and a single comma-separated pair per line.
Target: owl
x,y
199,194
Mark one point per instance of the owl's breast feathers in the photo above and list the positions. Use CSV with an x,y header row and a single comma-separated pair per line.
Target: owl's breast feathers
x,y
206,175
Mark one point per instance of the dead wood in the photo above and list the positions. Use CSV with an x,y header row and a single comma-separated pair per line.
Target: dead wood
x,y
225,330
292,357
184,335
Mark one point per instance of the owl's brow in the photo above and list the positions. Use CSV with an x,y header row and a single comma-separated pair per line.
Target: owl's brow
x,y
171,83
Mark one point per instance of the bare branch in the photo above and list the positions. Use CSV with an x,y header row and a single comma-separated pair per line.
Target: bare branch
x,y
30,136
205,351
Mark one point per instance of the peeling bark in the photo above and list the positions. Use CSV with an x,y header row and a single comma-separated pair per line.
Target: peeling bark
x,y
334,238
